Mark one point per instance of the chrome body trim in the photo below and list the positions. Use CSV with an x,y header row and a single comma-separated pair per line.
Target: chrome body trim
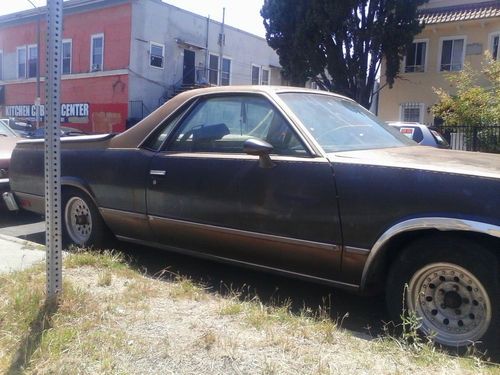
x,y
121,212
157,172
242,156
356,250
262,236
440,223
75,139
339,284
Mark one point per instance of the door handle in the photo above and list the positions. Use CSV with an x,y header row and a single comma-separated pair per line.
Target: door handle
x,y
157,172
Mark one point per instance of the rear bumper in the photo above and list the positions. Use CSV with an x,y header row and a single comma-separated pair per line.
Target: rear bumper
x,y
10,201
30,202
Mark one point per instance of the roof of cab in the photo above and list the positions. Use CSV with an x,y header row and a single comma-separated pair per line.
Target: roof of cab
x,y
133,137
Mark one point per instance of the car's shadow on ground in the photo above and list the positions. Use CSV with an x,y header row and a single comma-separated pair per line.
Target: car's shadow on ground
x,y
363,315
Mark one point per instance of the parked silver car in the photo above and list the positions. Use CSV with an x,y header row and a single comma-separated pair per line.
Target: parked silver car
x,y
421,133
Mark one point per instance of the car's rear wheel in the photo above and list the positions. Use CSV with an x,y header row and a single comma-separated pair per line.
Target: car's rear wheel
x,y
452,287
83,225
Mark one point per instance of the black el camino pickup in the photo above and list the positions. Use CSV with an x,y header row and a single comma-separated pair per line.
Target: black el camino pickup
x,y
298,182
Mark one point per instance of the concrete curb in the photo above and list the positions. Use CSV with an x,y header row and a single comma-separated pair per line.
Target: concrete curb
x,y
27,244
17,254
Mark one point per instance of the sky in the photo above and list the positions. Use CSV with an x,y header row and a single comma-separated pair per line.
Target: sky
x,y
243,14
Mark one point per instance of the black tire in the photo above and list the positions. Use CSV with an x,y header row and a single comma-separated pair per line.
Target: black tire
x,y
82,223
453,287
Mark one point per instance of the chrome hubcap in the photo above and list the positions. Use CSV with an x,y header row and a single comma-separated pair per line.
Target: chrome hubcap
x,y
452,303
78,220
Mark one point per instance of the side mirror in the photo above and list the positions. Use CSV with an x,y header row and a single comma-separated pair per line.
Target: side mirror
x,y
260,148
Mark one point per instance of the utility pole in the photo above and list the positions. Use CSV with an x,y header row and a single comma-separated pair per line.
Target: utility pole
x,y
37,98
207,56
53,201
222,41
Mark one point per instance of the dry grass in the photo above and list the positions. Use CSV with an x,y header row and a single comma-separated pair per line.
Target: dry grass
x,y
111,319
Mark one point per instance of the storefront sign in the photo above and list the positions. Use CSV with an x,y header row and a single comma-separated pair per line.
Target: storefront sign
x,y
23,110
29,110
75,110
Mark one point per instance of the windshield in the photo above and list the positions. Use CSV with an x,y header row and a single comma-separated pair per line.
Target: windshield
x,y
5,130
341,125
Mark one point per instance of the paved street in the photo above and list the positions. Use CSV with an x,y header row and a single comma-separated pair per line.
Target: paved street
x,y
24,225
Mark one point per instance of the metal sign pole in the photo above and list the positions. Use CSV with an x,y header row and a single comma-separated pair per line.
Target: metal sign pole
x,y
53,204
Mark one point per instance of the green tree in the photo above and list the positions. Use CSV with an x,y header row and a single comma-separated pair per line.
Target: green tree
x,y
477,98
340,43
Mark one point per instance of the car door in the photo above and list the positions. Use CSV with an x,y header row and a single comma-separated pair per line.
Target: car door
x,y
207,195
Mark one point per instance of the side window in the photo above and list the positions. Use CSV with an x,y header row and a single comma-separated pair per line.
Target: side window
x,y
66,56
156,54
452,55
21,62
495,46
155,140
223,124
97,52
415,57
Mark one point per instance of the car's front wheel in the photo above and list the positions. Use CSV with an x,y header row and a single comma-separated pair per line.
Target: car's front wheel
x,y
83,225
452,287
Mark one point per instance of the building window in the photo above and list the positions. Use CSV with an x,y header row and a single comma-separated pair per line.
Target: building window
x,y
21,62
415,58
213,70
97,52
67,46
411,112
32,61
1,65
452,54
226,72
265,76
156,54
495,49
255,75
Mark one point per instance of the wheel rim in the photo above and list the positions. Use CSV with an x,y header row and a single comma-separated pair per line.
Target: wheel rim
x,y
453,305
78,220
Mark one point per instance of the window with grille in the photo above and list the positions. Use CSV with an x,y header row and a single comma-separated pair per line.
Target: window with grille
x,y
415,57
411,112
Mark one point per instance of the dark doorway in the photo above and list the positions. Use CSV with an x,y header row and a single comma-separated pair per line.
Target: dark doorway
x,y
188,72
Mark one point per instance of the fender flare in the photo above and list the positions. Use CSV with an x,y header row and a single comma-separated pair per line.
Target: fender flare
x,y
80,184
424,223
